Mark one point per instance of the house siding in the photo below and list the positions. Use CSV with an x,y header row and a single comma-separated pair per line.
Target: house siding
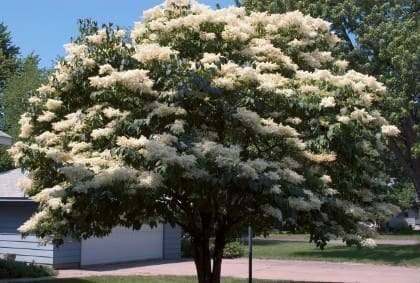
x,y
13,215
67,255
171,242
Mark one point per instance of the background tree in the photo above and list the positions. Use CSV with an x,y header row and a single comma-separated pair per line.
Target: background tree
x,y
8,56
19,85
380,39
211,120
8,65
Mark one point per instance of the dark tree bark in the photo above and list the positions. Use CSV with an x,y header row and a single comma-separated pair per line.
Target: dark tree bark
x,y
202,258
208,266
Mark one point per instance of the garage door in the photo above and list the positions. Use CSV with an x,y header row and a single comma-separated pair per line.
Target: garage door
x,y
123,245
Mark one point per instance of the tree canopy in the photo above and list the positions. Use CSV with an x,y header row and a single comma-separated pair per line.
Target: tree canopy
x,y
209,119
380,39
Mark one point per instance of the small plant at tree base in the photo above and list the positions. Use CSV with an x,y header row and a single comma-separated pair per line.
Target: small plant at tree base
x,y
209,119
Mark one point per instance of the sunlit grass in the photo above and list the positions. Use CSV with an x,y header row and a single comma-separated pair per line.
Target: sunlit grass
x,y
383,254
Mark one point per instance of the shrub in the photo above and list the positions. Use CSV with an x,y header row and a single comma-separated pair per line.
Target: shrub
x,y
186,247
401,225
234,250
13,269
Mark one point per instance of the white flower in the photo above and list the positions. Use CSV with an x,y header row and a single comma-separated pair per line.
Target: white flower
x,y
138,31
343,119
25,184
98,37
34,99
390,130
110,112
177,127
209,58
48,138
153,51
45,89
59,156
272,211
368,243
120,33
150,180
341,64
76,173
79,146
135,80
46,116
326,179
106,69
206,36
131,142
31,224
362,115
291,176
321,157
53,104
163,110
101,132
224,82
25,126
327,102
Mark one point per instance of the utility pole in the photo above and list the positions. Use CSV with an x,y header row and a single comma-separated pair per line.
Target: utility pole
x,y
249,254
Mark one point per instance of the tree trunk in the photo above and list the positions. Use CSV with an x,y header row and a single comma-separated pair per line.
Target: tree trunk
x,y
410,165
219,246
202,258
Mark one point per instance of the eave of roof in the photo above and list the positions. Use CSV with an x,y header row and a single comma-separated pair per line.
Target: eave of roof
x,y
15,199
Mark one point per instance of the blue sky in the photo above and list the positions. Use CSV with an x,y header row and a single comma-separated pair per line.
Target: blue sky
x,y
44,26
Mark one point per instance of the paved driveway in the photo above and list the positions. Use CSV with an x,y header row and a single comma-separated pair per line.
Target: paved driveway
x,y
265,269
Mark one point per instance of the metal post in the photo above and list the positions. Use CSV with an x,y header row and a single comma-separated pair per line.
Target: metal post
x,y
250,254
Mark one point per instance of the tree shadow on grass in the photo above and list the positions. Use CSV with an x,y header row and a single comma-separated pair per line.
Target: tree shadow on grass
x,y
389,254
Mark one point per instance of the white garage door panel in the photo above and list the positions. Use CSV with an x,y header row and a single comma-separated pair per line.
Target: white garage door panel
x,y
123,245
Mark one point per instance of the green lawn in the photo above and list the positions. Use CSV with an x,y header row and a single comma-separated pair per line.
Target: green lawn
x,y
384,254
410,235
153,279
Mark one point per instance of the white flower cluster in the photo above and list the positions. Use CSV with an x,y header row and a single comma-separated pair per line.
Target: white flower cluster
x,y
263,126
390,130
327,102
136,80
302,204
368,243
153,51
97,38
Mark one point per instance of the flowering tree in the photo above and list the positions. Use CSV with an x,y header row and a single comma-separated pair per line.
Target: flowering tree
x,y
212,120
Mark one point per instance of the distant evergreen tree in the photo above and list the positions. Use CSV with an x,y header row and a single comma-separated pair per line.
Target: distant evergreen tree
x,y
18,77
8,56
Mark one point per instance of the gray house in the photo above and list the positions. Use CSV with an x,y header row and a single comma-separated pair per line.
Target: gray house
x,y
5,139
162,242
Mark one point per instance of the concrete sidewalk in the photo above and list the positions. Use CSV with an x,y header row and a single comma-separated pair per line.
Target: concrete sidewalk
x,y
264,269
